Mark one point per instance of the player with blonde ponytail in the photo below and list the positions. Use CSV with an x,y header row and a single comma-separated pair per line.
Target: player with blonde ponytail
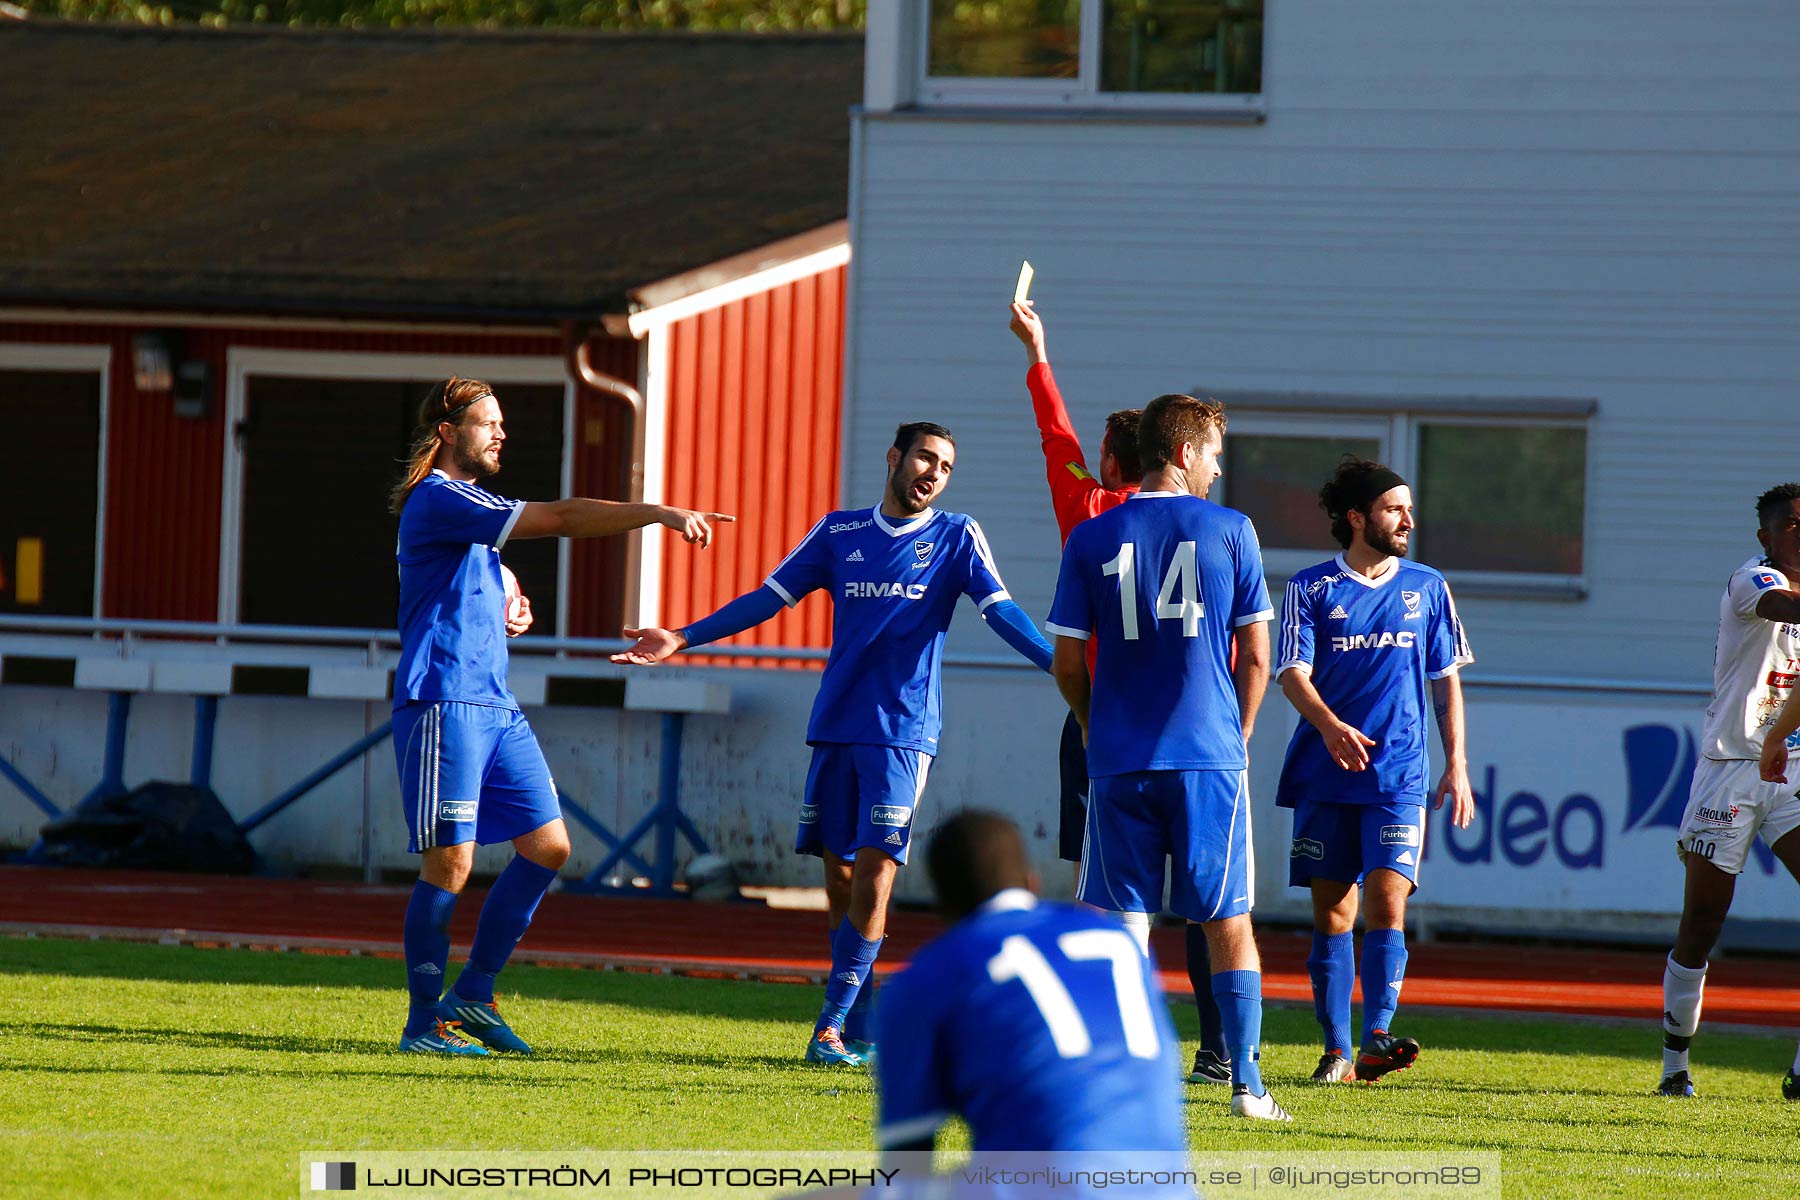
x,y
470,767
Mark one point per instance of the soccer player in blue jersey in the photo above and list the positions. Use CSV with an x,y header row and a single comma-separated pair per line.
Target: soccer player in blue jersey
x,y
895,572
1368,643
1042,1025
470,767
1171,585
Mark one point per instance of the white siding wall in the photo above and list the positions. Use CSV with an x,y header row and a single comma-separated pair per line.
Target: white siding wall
x,y
1594,201
1526,199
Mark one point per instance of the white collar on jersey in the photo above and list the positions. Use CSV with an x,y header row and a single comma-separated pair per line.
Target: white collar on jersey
x,y
1153,495
1371,584
1008,900
913,526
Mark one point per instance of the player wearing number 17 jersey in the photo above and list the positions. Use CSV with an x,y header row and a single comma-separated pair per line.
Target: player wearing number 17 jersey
x,y
1042,1025
1170,585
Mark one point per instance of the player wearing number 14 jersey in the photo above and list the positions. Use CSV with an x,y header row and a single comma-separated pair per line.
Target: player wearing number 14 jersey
x,y
1170,586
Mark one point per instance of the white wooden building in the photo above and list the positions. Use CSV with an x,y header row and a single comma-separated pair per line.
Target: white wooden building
x,y
1544,258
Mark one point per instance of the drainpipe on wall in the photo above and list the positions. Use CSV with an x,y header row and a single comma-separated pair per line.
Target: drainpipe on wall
x,y
577,356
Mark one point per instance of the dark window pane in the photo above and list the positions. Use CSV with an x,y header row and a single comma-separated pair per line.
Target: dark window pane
x,y
1275,480
1005,39
51,493
319,457
1181,46
1501,498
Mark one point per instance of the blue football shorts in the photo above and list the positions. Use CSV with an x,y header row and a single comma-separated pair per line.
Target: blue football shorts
x,y
1344,842
470,773
1140,822
860,796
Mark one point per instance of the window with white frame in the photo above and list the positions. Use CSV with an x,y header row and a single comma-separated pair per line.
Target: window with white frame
x,y
1094,53
316,543
1501,497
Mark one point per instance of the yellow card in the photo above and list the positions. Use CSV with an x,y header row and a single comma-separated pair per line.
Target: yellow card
x,y
1023,288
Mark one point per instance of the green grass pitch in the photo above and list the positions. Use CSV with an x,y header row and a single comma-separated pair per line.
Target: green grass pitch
x,y
145,1071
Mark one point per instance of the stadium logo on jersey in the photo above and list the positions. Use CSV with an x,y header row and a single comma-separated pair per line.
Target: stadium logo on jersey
x,y
1399,835
853,556
809,813
1404,640
1338,614
923,550
848,526
456,810
1765,580
874,591
1308,848
890,814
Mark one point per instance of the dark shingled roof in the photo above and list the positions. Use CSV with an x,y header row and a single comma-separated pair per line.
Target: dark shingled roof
x,y
500,176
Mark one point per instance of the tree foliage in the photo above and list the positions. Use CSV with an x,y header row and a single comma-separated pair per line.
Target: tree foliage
x,y
749,16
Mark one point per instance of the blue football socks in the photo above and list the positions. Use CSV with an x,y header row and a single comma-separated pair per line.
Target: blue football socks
x,y
1383,968
1199,968
859,1022
1239,994
852,962
1332,966
511,902
427,942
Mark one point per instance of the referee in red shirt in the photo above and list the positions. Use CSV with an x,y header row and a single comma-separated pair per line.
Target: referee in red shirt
x,y
1076,495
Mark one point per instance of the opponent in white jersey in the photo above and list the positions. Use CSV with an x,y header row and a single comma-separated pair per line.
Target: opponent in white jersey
x,y
1756,663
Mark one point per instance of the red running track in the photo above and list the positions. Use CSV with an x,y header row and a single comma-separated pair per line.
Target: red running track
x,y
753,941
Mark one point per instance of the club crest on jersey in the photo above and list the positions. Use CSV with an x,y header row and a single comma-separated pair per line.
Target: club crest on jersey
x,y
1385,640
890,814
1399,835
1412,602
923,550
1308,848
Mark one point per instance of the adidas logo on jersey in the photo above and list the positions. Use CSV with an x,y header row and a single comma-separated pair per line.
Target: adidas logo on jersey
x,y
853,556
894,839
1338,614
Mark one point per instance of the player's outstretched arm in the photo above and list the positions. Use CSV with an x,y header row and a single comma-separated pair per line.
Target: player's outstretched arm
x,y
577,517
1008,620
1447,701
1068,664
1347,745
1773,766
1779,605
655,644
